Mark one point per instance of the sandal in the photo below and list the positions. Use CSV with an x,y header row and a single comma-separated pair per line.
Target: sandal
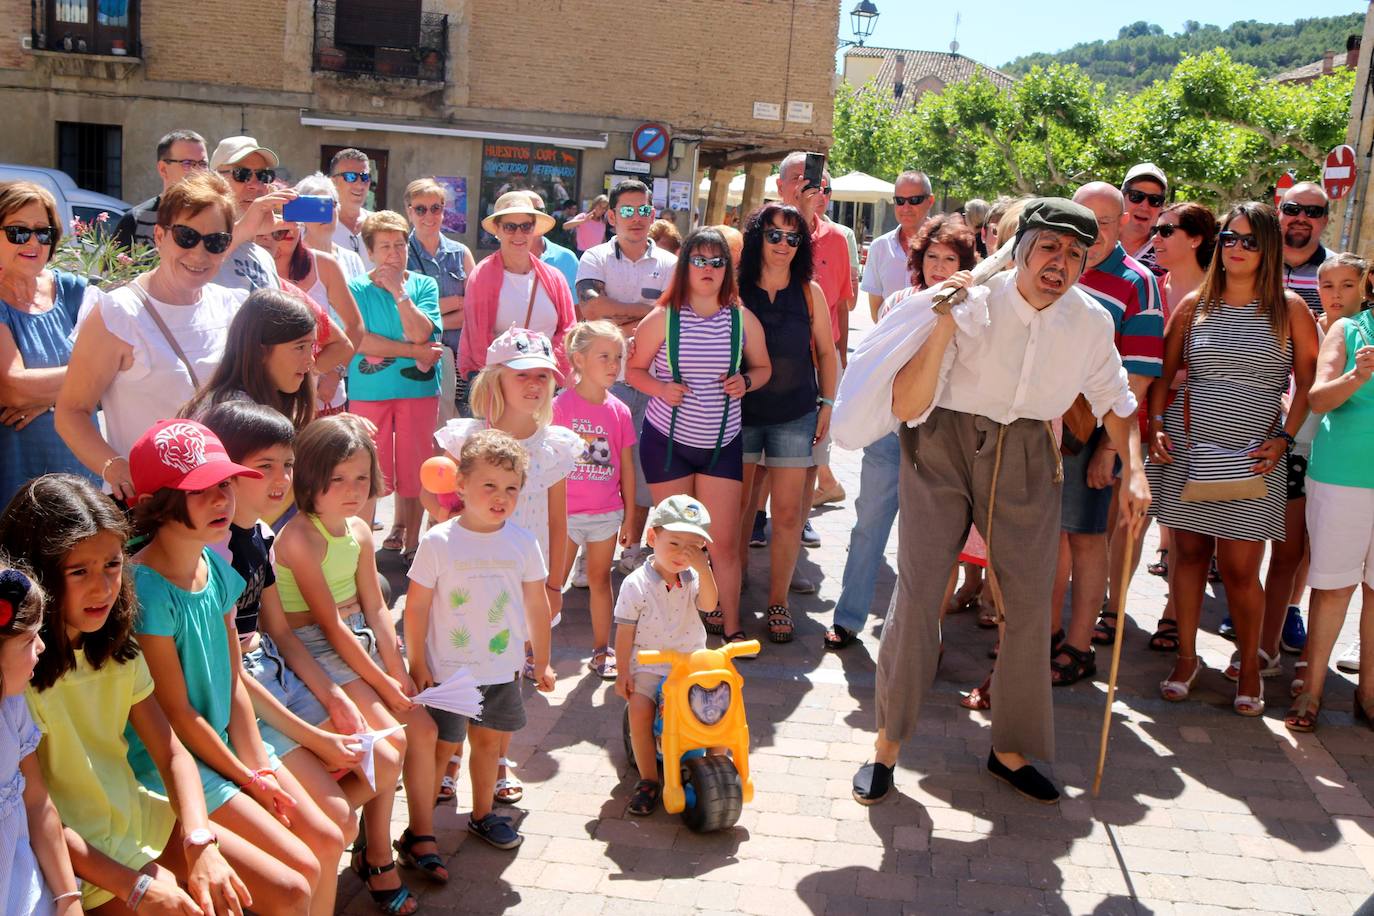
x,y
714,622
1302,717
448,791
1177,691
509,789
1213,574
1248,706
987,617
391,902
838,637
606,668
779,623
1081,664
645,799
1271,666
1165,637
1104,631
979,697
1299,684
395,540
430,863
1161,566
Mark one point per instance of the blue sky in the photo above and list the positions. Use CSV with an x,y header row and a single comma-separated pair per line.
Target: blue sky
x,y
997,31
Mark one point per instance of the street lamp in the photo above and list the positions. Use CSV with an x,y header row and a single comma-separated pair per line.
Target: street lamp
x,y
862,20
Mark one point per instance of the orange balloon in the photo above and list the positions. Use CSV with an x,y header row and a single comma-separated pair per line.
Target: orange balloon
x,y
439,475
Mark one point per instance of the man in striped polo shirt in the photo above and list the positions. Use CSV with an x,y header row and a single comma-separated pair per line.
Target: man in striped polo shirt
x,y
1128,291
1303,215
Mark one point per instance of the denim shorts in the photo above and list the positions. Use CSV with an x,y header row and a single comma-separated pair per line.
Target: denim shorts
x,y
687,460
503,710
317,644
266,666
781,445
1085,508
597,526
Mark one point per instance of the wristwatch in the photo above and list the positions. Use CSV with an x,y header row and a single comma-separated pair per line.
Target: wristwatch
x,y
200,837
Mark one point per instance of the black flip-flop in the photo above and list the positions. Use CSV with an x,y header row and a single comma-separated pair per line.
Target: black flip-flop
x,y
838,637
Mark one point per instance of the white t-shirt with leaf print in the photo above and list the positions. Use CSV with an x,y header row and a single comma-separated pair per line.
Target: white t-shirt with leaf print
x,y
477,617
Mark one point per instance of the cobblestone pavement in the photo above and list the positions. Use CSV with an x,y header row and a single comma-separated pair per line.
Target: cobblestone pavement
x,y
1201,811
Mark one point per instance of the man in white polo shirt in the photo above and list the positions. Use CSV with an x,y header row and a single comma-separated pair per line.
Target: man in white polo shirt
x,y
886,271
620,281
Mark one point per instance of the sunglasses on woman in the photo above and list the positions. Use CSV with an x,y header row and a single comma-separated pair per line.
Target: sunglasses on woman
x,y
524,228
1229,239
215,242
279,235
244,175
699,261
422,210
1165,230
774,236
627,212
19,235
351,177
1135,197
1311,211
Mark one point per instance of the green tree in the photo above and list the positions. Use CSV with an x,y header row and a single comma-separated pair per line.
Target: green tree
x,y
870,135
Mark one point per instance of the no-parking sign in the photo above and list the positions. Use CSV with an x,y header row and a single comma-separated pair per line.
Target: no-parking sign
x,y
649,142
1339,175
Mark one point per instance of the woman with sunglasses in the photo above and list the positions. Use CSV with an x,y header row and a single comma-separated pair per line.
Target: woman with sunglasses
x,y
696,355
144,348
446,261
38,311
513,288
1226,438
784,420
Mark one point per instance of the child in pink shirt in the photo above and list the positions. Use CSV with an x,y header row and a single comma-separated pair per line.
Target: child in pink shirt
x,y
598,491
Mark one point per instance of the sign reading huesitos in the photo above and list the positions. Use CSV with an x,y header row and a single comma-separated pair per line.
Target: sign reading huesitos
x,y
552,172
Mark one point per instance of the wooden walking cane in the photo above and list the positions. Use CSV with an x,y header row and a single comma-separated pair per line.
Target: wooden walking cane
x,y
1127,562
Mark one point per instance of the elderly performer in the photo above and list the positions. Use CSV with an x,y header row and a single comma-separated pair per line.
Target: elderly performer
x,y
974,392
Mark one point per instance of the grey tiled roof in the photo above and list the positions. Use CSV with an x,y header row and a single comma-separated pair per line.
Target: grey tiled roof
x,y
945,66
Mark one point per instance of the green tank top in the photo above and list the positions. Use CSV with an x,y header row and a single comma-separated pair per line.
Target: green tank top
x,y
340,569
1343,450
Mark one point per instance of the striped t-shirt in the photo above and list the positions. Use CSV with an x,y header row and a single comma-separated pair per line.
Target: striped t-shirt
x,y
1303,278
703,359
1128,290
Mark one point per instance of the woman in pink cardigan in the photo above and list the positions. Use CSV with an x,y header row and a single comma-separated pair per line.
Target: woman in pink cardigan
x,y
512,287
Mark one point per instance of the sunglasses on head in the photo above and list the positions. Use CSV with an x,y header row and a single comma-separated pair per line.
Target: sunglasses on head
x,y
1135,197
627,212
215,242
244,175
1165,230
350,177
1311,211
915,200
523,228
19,235
189,165
1229,239
699,261
774,236
423,210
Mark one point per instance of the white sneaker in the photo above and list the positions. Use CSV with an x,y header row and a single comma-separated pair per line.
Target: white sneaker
x,y
631,558
1350,661
579,571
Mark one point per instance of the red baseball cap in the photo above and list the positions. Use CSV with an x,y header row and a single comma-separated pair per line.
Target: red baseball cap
x,y
181,455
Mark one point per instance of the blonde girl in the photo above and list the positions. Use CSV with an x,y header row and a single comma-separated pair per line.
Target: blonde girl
x,y
514,393
329,592
601,488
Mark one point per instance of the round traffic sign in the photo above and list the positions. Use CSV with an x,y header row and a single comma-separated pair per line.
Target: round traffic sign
x,y
1284,183
649,142
1339,175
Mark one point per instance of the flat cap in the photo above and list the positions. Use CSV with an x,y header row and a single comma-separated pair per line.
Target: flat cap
x,y
1058,215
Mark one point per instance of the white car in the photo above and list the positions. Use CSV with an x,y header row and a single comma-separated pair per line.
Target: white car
x,y
72,202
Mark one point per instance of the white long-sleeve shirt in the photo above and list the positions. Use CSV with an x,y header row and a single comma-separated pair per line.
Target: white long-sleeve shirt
x,y
1007,361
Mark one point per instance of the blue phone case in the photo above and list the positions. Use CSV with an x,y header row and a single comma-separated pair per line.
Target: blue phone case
x,y
307,209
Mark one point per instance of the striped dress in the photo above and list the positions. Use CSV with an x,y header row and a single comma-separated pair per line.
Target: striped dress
x,y
703,359
1237,374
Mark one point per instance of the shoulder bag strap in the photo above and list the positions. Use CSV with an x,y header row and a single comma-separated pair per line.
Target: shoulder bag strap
x,y
736,360
671,342
810,330
534,288
166,332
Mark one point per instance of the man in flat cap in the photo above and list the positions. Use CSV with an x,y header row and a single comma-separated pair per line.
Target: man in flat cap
x,y
975,404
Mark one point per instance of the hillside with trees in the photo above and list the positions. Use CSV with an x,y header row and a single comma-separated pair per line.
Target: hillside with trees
x,y
1142,53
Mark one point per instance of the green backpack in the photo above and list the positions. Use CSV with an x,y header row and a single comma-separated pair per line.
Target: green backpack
x,y
736,359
